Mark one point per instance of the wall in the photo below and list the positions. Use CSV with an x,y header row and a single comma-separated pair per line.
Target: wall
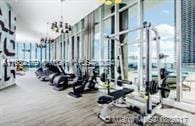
x,y
7,45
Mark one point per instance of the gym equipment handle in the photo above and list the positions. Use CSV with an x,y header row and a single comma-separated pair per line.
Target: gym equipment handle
x,y
123,81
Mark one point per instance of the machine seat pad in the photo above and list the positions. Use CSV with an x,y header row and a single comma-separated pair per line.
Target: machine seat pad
x,y
105,99
121,93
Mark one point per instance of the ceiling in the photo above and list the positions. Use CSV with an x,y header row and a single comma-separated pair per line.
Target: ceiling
x,y
33,15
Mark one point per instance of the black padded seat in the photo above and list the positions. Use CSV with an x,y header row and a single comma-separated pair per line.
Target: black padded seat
x,y
105,99
120,93
114,95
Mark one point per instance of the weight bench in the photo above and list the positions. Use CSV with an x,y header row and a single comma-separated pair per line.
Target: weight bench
x,y
115,98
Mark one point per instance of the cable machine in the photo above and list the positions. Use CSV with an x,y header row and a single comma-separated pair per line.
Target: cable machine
x,y
152,87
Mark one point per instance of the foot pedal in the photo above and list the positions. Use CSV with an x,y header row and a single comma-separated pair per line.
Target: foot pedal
x,y
59,88
75,95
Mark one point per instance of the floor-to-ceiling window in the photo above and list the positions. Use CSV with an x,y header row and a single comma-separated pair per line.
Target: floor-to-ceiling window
x,y
78,46
16,51
53,51
47,52
79,40
69,49
27,53
33,55
96,53
60,50
128,21
38,53
20,55
109,29
72,49
80,33
43,52
96,44
64,50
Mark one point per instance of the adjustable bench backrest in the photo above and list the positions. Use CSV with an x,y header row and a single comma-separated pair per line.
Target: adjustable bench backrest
x,y
114,96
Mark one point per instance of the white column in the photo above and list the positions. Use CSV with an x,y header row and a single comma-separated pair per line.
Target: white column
x,y
178,33
101,34
75,44
140,41
117,43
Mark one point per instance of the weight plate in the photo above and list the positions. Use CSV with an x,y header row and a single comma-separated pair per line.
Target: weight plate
x,y
103,77
119,83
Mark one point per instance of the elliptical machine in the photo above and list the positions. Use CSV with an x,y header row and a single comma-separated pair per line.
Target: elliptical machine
x,y
43,73
59,73
79,88
63,80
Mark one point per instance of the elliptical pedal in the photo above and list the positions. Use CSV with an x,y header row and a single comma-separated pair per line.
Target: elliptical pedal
x,y
76,95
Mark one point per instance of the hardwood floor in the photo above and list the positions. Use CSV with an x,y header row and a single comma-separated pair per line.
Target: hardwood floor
x,y
35,103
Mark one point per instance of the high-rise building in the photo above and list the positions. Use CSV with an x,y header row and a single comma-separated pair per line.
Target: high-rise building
x,y
188,31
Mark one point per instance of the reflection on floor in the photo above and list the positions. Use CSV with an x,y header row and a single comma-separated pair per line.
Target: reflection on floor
x,y
34,103
189,88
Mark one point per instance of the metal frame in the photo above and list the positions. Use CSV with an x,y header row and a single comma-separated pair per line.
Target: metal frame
x,y
140,35
129,5
116,31
178,39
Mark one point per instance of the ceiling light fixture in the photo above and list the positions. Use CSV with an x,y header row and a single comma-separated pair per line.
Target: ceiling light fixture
x,y
61,26
101,1
118,1
110,2
45,39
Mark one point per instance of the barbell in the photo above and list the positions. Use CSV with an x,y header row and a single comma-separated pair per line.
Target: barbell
x,y
119,80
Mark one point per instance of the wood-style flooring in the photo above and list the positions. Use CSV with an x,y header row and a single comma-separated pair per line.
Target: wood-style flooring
x,y
35,103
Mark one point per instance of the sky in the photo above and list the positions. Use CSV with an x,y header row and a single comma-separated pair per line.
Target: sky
x,y
162,16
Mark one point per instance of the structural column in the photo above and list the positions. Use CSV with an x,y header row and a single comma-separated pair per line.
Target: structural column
x,y
178,39
101,37
117,43
140,44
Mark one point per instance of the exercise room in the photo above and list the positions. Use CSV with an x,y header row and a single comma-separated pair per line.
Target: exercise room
x,y
97,62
